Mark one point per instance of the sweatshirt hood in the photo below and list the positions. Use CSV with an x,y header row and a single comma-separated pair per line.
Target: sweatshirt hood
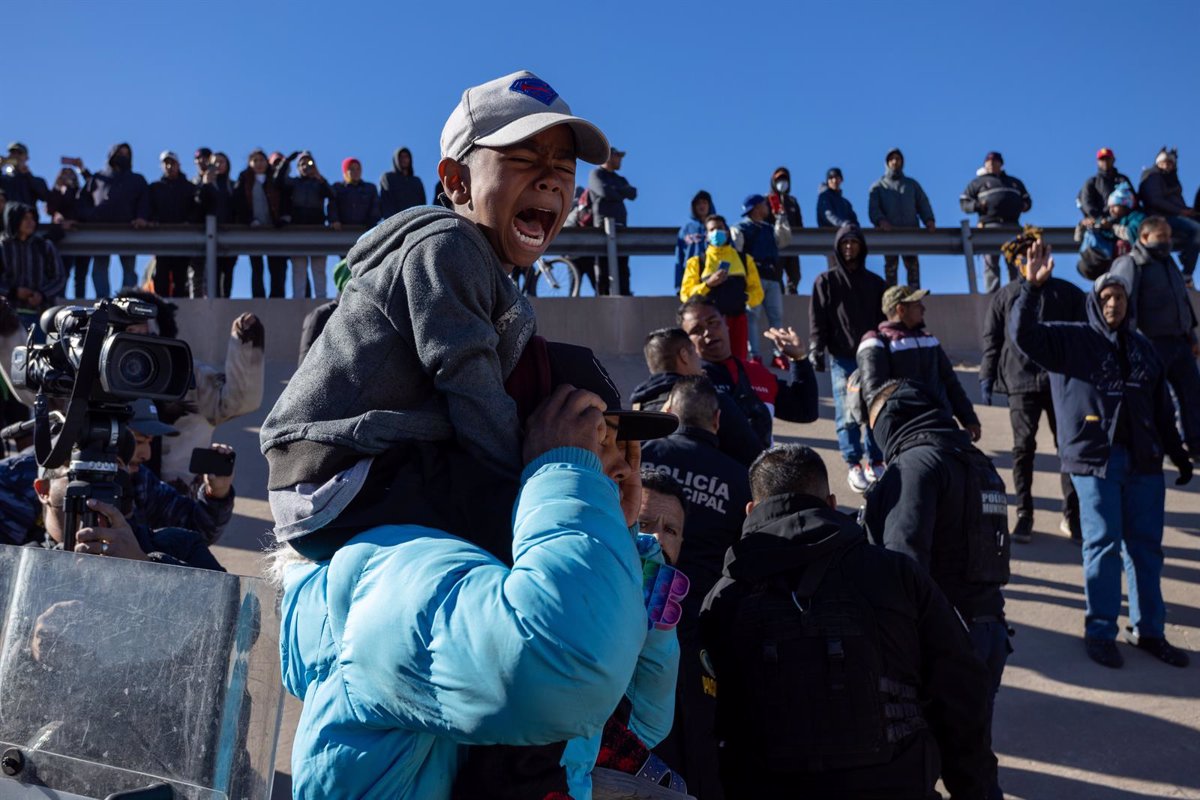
x,y
1095,311
654,386
849,231
786,532
781,172
14,212
702,195
396,160
385,239
118,162
910,413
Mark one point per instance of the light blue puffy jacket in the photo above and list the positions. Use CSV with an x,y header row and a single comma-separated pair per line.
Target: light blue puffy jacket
x,y
410,643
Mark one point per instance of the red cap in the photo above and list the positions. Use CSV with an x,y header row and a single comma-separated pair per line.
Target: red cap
x,y
346,162
1105,152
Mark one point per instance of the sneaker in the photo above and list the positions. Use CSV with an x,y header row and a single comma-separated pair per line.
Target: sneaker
x,y
781,363
1023,530
874,470
1159,647
1104,652
1071,529
857,479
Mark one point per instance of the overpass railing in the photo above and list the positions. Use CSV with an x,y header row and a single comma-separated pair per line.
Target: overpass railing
x,y
208,241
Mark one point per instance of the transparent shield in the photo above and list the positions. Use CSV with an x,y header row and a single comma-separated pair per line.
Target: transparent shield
x,y
116,674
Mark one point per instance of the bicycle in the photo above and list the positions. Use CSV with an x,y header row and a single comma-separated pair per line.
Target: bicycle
x,y
550,276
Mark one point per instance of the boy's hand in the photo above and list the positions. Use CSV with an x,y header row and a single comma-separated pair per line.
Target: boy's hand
x,y
569,417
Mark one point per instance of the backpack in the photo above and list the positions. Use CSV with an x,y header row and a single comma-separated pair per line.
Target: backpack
x,y
1096,254
985,518
582,215
811,688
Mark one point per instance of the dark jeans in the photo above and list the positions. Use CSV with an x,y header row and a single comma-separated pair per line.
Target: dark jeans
x,y
276,268
603,277
78,264
1184,378
790,265
225,266
990,640
912,266
100,273
1025,411
170,276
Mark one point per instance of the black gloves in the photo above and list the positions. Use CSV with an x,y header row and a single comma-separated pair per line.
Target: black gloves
x,y
1183,463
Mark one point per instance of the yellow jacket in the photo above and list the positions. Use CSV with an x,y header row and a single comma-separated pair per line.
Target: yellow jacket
x,y
740,266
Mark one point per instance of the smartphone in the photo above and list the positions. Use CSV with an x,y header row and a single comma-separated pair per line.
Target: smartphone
x,y
206,461
724,266
68,161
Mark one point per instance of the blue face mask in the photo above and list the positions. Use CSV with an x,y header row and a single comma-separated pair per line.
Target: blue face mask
x,y
718,238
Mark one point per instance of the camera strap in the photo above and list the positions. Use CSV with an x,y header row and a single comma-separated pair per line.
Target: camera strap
x,y
54,452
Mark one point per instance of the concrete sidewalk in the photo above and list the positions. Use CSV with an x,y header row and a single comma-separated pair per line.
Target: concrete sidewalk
x,y
1065,727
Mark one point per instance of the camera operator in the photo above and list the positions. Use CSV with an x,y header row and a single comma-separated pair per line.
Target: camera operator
x,y
218,396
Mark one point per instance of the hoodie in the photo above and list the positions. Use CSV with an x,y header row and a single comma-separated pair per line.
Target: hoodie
x,y
115,193
918,507
786,202
845,304
925,646
1108,386
30,264
427,330
735,437
689,243
833,209
399,189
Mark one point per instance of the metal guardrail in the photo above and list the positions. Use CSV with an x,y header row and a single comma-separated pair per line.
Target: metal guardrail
x,y
210,241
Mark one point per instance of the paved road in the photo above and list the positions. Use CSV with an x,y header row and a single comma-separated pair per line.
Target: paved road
x,y
1065,727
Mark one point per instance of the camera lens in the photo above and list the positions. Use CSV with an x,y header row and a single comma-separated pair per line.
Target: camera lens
x,y
136,368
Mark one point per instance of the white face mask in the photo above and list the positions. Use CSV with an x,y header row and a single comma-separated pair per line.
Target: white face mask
x,y
782,186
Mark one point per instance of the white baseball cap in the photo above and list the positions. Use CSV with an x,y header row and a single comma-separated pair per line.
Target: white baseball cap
x,y
165,154
511,109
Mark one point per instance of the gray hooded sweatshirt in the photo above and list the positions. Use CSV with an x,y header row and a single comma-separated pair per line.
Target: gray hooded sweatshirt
x,y
427,330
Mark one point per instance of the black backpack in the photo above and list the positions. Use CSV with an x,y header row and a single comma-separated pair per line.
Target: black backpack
x,y
811,692
985,519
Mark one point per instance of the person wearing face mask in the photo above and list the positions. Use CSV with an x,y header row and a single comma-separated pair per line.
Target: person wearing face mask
x,y
1161,193
782,201
115,194
898,201
729,278
1162,312
1115,425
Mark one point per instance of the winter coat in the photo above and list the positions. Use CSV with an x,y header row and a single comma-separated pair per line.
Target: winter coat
x,y
243,198
922,644
833,209
218,396
25,187
609,191
1093,197
421,610
65,203
899,200
1009,371
762,397
1099,401
20,509
762,241
895,351
159,505
30,264
172,202
217,199
740,290
918,507
845,304
997,199
398,190
1161,192
115,193
691,239
355,204
735,437
1159,302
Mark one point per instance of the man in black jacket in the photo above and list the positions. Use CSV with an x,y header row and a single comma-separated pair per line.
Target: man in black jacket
x,y
115,194
717,490
782,671
999,199
942,503
609,191
1117,423
1093,197
671,355
19,184
847,302
1161,193
1162,311
172,202
1006,370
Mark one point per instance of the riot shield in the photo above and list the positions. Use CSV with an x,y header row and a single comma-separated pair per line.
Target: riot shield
x,y
116,675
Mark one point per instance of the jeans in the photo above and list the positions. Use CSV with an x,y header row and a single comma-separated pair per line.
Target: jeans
x,y
849,440
170,276
78,264
790,267
991,266
300,266
100,273
1122,511
773,304
276,268
1024,412
225,265
1184,378
912,266
990,641
1185,231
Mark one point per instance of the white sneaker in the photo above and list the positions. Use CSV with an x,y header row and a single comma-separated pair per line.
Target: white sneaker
x,y
857,479
874,471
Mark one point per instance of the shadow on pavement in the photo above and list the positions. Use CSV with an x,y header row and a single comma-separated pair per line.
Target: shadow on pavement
x,y
1030,784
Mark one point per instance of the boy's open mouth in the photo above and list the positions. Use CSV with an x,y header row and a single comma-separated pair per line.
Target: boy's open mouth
x,y
533,225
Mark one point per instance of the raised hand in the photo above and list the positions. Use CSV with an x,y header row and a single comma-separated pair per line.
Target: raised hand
x,y
1039,263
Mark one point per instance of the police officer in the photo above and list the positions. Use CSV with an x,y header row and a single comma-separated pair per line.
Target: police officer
x,y
794,636
942,502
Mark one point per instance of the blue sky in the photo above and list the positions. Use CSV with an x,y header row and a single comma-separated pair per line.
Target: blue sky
x,y
702,95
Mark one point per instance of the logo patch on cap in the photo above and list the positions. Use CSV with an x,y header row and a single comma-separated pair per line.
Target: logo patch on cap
x,y
536,88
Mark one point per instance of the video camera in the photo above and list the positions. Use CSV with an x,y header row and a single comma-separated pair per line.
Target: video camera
x,y
86,356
